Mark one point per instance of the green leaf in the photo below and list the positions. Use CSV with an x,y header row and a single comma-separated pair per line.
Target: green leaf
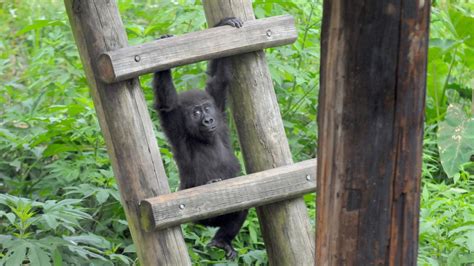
x,y
16,255
443,44
11,217
435,83
102,195
90,239
38,24
462,229
463,25
57,258
130,249
16,163
467,259
470,241
5,238
455,140
58,148
253,234
468,58
121,258
51,221
38,257
135,29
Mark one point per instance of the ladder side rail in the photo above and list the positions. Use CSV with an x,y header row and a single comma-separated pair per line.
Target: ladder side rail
x,y
127,129
264,144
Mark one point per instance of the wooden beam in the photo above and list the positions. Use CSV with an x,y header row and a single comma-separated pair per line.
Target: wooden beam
x,y
370,120
129,62
229,195
264,144
127,128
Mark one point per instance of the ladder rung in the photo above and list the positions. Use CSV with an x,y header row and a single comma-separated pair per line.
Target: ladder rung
x,y
227,196
133,61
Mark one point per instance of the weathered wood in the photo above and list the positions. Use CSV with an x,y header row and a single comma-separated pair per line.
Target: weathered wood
x,y
285,225
230,195
193,47
371,104
127,128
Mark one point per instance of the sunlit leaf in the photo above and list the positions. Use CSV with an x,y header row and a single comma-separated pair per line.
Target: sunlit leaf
x,y
38,24
455,140
463,25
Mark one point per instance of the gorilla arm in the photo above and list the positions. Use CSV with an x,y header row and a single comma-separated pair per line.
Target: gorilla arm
x,y
167,105
219,71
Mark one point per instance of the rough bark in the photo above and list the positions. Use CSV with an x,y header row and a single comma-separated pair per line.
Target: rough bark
x,y
371,106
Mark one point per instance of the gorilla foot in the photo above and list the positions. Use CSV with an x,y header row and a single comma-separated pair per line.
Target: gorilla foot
x,y
230,252
234,22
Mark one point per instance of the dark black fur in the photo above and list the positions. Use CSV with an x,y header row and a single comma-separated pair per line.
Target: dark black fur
x,y
195,124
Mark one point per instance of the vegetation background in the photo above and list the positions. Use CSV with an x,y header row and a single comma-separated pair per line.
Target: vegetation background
x,y
59,202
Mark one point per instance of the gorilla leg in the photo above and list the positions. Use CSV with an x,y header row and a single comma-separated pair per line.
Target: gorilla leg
x,y
227,232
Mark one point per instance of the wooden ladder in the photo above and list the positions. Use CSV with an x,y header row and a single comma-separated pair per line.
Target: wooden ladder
x,y
153,213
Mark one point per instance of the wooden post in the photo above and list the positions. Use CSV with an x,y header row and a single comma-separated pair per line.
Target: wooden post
x,y
127,128
371,105
285,225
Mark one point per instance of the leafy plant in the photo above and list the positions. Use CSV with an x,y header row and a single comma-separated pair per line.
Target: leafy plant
x,y
455,140
35,229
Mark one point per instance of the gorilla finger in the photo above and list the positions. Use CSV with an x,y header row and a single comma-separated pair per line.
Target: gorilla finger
x,y
239,23
166,36
236,23
231,21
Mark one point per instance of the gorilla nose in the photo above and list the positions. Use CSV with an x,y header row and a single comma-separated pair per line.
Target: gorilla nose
x,y
208,121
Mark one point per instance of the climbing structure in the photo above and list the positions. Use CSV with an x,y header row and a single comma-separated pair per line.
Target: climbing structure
x,y
153,213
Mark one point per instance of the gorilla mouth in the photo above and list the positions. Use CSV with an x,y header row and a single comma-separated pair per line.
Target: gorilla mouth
x,y
208,130
212,129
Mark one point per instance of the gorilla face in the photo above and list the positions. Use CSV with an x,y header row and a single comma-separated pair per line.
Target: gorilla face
x,y
200,115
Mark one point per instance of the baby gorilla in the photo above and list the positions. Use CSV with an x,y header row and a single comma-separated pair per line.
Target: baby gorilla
x,y
195,124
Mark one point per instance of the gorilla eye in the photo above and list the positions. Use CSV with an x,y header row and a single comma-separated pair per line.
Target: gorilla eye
x,y
196,113
207,108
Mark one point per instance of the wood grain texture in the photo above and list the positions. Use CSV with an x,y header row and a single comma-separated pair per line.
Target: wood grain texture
x,y
229,195
130,62
371,104
285,225
127,129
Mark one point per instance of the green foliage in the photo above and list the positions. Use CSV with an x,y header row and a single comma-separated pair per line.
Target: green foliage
x,y
61,205
451,53
35,229
446,228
